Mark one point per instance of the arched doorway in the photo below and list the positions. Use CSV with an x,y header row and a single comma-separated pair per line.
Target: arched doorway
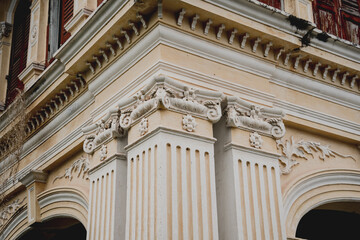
x,y
337,220
56,229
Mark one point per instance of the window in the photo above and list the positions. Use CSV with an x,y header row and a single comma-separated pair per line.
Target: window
x,y
273,3
338,17
19,47
60,12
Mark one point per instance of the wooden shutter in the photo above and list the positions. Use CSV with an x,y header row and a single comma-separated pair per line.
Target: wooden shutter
x,y
350,17
19,47
99,2
67,11
326,16
273,3
338,17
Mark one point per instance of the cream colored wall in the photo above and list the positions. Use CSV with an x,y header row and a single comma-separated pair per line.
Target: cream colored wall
x,y
295,126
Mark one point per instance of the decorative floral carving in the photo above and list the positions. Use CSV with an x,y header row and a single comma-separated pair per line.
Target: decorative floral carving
x,y
255,140
168,94
161,92
33,34
9,210
189,123
80,166
103,152
242,114
300,149
104,129
144,126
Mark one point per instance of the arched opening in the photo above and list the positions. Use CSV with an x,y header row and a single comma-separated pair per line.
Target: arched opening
x,y
337,220
56,229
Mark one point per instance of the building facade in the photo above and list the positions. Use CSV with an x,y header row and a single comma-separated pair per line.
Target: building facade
x,y
179,119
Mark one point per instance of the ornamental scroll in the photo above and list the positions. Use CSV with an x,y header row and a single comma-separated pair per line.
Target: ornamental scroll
x,y
242,114
162,92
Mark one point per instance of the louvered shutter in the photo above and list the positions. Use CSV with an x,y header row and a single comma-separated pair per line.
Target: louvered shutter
x,y
338,17
326,16
350,16
19,47
67,11
273,3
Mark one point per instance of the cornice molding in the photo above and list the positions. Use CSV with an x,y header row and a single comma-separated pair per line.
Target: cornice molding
x,y
278,19
172,132
78,17
318,117
33,176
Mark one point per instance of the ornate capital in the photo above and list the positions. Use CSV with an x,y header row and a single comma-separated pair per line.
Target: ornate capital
x,y
161,92
242,114
166,93
106,128
5,29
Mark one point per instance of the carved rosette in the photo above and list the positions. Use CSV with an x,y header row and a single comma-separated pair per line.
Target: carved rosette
x,y
103,152
144,126
255,140
189,123
244,115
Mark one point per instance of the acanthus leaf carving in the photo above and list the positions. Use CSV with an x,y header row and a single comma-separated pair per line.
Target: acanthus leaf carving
x,y
301,149
104,129
80,166
244,115
167,94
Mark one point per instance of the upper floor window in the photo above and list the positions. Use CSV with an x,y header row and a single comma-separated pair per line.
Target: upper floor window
x,y
273,3
60,12
339,17
19,47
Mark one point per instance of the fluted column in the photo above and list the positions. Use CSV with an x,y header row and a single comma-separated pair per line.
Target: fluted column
x,y
171,187
106,218
104,142
247,172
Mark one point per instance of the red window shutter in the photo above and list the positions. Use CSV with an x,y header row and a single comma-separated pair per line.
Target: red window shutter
x,y
326,16
19,47
273,3
99,2
67,11
338,17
